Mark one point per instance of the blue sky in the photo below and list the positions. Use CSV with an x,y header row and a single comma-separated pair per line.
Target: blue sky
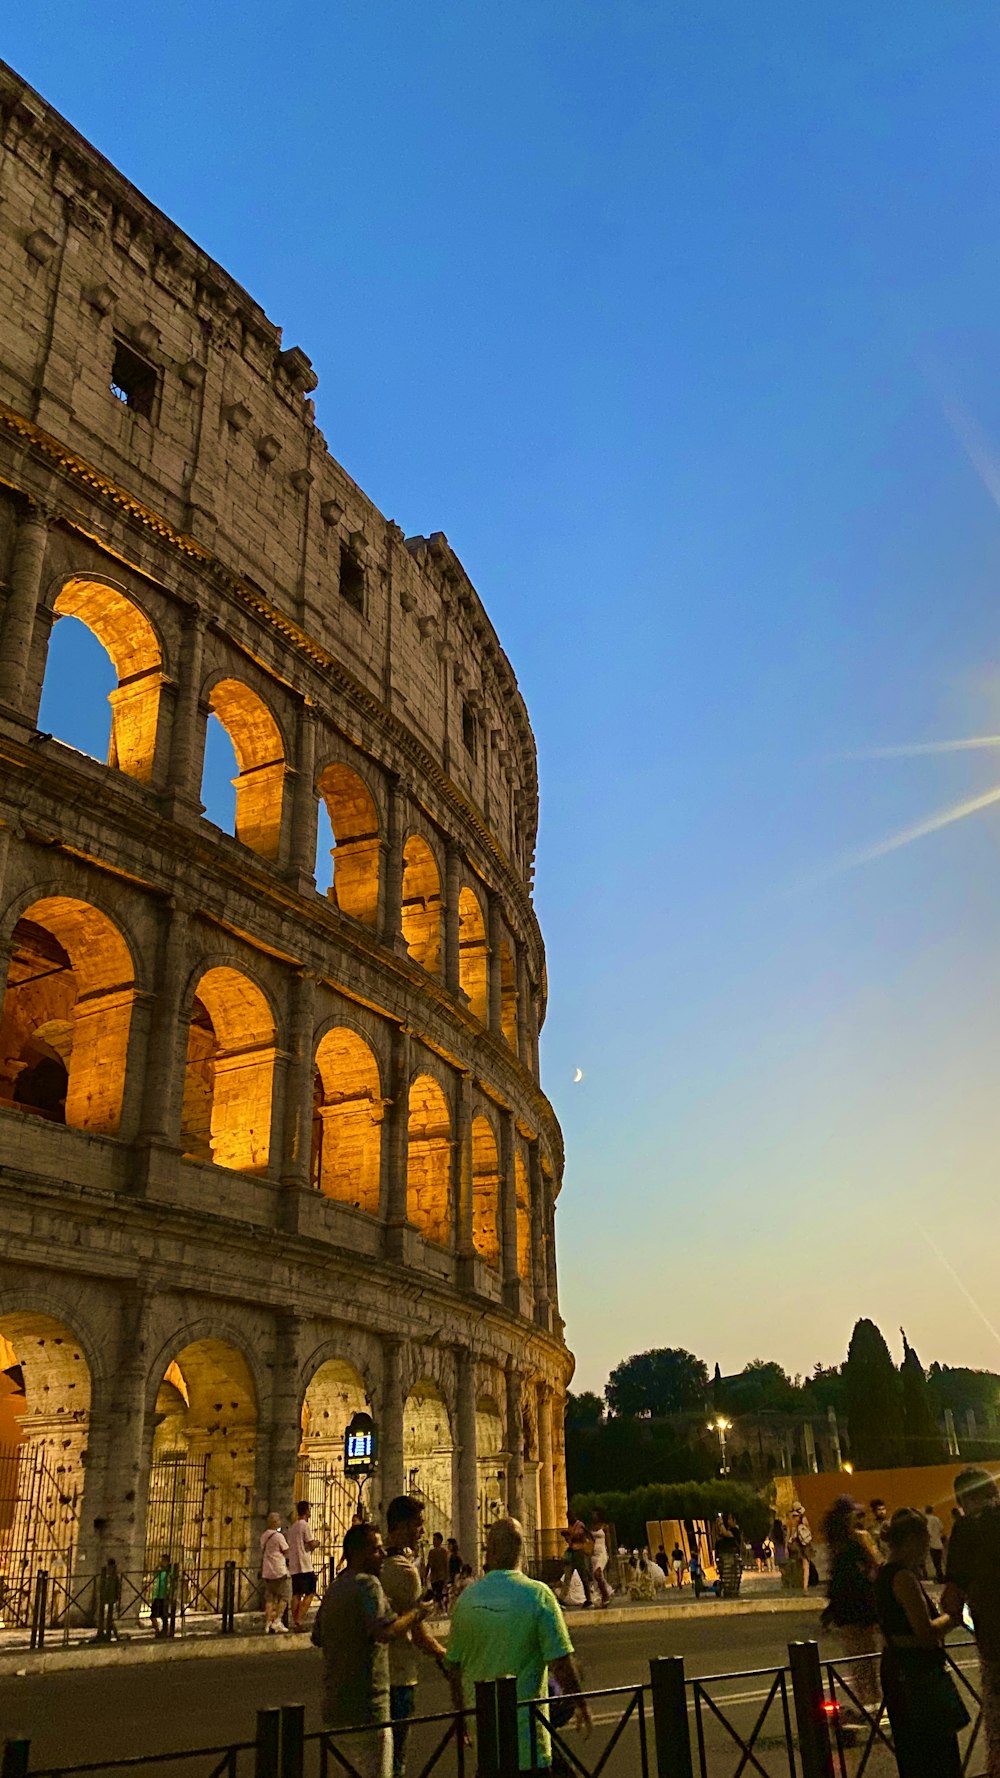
x,y
671,318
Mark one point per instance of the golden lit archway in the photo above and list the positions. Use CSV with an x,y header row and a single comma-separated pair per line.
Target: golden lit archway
x,y
428,1161
202,1466
347,1123
491,1465
427,1455
260,757
508,994
354,820
130,640
229,1073
473,955
522,1201
335,1394
421,912
485,1192
45,1400
66,1015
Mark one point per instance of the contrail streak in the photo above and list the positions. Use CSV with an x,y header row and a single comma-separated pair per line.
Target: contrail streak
x,y
970,1299
976,444
913,749
933,824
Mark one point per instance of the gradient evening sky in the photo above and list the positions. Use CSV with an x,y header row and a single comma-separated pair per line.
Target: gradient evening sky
x,y
671,316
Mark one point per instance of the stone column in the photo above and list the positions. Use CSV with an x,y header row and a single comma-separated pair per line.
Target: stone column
x,y
392,1479
305,809
525,1010
187,741
395,1146
452,887
20,610
495,931
297,1148
278,1461
467,1530
515,1443
539,1269
113,1519
546,1480
550,1251
166,1047
392,876
560,1499
462,1170
508,1213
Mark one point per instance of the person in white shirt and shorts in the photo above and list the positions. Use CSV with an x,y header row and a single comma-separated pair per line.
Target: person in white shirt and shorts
x,y
302,1565
274,1574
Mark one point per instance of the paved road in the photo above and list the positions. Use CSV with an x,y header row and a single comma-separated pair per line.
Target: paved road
x,y
112,1713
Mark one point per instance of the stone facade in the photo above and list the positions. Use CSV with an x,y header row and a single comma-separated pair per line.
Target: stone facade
x,y
267,1155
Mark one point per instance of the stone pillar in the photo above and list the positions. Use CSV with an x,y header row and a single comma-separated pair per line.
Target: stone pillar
x,y
297,1147
395,1146
462,1168
495,932
278,1454
187,739
525,1010
508,1213
304,806
467,1530
550,1251
546,1480
515,1443
559,1495
392,1480
392,876
539,1269
166,1047
20,610
452,888
113,1519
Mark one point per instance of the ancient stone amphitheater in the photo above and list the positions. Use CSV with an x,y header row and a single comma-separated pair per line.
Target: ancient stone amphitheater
x,y
272,1144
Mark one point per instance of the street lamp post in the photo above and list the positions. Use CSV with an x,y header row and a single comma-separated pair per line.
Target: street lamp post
x,y
721,1425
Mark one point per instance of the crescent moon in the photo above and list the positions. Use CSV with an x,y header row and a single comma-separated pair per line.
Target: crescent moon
x,y
577,1075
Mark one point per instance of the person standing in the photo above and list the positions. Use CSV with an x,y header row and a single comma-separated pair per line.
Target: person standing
x,y
274,1573
455,1565
925,1710
577,1557
852,1610
507,1623
879,1530
935,1531
599,1559
728,1555
400,1577
800,1549
972,1577
678,1564
301,1564
353,1626
437,1570
162,1597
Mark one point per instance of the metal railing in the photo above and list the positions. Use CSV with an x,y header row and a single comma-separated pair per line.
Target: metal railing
x,y
53,1609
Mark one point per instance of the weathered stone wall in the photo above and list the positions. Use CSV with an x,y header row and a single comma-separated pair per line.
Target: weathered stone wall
x,y
212,1073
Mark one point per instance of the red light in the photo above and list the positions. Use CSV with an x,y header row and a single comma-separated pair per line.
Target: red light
x,y
830,1708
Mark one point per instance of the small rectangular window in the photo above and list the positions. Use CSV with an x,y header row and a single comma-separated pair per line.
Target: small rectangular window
x,y
470,730
133,380
352,579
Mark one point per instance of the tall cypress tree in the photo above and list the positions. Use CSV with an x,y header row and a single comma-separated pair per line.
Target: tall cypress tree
x,y
874,1400
922,1440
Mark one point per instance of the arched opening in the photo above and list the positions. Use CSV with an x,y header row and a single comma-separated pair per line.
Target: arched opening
x,y
229,1074
421,913
202,1468
66,1016
491,1465
427,1455
260,759
347,1121
473,955
128,640
428,1161
485,1192
353,817
335,1394
45,1394
522,1210
508,994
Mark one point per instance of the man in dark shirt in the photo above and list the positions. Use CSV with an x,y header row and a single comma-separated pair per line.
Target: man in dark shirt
x,y
972,1578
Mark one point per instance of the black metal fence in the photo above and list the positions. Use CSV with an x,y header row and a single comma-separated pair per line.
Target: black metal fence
x,y
50,1608
804,1720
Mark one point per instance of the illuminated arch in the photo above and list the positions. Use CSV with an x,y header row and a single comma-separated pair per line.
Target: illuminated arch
x,y
130,640
260,758
508,994
229,1073
421,911
491,1465
428,1451
202,1467
354,820
45,1405
428,1161
66,1015
522,1202
347,1123
473,953
485,1192
336,1392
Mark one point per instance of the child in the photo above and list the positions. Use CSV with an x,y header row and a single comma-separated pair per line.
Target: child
x,y
697,1572
159,1609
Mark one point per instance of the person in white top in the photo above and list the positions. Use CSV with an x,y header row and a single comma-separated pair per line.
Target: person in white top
x,y
301,1564
935,1531
274,1573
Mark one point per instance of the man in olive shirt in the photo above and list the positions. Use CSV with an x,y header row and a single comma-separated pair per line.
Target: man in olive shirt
x,y
353,1626
401,1582
972,1577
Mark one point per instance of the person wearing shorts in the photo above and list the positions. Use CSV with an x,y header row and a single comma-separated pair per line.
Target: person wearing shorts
x,y
274,1573
302,1565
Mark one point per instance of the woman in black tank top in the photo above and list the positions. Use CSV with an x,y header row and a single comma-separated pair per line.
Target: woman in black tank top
x,y
925,1711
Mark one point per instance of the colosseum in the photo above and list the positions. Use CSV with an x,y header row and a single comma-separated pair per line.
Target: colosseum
x,y
273,1149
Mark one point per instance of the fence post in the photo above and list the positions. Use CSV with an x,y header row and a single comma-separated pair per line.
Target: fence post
x,y
228,1624
293,1734
508,1762
815,1751
268,1743
671,1727
486,1728
15,1759
39,1608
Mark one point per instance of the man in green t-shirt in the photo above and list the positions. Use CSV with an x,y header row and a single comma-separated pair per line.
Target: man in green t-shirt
x,y
508,1623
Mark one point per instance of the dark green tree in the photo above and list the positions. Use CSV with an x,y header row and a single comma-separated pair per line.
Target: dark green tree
x,y
874,1400
585,1409
762,1387
922,1440
667,1380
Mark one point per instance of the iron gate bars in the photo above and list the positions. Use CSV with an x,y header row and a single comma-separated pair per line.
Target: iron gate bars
x,y
776,1690
539,1715
869,1720
335,1763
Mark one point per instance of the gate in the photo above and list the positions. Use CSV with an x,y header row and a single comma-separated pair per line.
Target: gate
x,y
200,1521
333,1501
39,1520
